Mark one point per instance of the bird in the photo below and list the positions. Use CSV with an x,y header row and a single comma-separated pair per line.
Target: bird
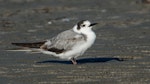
x,y
67,45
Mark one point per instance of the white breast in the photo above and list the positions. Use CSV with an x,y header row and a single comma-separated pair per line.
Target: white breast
x,y
79,49
90,40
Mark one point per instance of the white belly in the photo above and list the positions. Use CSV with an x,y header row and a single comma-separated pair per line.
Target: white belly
x,y
79,49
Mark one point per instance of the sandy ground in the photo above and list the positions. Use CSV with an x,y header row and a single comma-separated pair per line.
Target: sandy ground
x,y
120,55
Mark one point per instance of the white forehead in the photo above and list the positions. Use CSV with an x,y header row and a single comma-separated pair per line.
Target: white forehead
x,y
87,22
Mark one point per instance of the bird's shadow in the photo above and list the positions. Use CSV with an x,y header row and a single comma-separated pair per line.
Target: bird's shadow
x,y
83,60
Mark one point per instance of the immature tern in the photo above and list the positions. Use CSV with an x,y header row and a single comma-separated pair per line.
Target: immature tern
x,y
66,45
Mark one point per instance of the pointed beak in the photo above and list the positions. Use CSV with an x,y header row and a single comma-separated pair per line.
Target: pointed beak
x,y
92,24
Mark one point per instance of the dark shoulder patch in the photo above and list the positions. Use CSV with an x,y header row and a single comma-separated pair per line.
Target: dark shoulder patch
x,y
79,23
57,51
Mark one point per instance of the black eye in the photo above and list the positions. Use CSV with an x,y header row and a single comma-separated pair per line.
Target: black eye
x,y
83,25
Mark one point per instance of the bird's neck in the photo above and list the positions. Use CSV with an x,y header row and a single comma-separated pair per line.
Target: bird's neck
x,y
90,35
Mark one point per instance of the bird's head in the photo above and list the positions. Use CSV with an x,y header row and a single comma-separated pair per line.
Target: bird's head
x,y
83,27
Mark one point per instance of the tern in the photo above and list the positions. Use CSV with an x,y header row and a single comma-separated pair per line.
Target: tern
x,y
67,45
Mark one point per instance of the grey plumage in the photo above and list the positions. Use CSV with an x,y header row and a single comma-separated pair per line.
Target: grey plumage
x,y
66,45
66,40
62,42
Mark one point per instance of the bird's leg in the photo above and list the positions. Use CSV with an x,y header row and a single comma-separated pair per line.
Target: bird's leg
x,y
74,61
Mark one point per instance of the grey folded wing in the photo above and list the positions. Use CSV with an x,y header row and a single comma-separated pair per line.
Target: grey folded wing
x,y
65,41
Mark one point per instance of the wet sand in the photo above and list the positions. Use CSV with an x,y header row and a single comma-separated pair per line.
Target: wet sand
x,y
120,55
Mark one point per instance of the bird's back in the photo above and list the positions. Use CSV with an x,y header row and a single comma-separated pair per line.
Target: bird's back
x,y
66,40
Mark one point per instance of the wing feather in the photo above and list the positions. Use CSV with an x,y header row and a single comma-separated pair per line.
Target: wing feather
x,y
66,40
30,45
58,44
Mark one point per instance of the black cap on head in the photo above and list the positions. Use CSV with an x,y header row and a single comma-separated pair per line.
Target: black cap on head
x,y
79,23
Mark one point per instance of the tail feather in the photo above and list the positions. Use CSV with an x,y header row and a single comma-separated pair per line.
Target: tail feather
x,y
30,50
30,45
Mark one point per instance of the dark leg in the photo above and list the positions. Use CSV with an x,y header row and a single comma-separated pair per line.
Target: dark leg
x,y
74,61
